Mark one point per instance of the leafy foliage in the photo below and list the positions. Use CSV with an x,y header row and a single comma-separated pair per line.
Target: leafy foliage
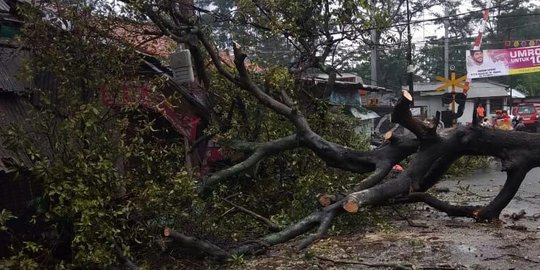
x,y
466,164
89,201
431,57
112,180
113,177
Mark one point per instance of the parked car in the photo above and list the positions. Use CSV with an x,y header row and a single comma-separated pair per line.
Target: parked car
x,y
529,113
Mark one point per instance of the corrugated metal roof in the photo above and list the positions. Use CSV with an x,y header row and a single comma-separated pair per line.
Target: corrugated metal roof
x,y
4,7
13,110
10,62
477,90
424,87
487,89
518,94
363,114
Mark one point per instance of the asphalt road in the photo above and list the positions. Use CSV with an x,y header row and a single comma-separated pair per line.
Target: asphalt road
x,y
423,238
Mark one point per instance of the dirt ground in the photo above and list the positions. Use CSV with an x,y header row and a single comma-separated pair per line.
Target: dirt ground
x,y
422,238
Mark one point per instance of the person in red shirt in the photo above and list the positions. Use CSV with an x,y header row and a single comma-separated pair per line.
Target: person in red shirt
x,y
505,115
506,122
480,112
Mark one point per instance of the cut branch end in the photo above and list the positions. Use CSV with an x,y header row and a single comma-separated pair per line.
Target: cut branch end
x,y
407,95
326,199
388,135
351,206
167,231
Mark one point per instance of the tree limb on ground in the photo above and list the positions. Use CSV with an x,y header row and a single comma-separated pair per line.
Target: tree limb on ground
x,y
434,153
420,175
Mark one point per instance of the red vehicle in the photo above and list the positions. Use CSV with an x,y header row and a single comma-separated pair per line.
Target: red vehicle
x,y
529,113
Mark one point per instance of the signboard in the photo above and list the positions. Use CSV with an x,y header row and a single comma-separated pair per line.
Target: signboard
x,y
181,66
502,62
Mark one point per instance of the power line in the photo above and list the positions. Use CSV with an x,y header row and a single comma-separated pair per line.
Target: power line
x,y
414,22
460,39
401,23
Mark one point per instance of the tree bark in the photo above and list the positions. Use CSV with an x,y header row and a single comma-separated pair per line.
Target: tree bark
x,y
433,151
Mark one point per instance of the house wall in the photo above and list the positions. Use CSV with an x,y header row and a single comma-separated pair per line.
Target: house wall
x,y
468,112
432,104
466,118
382,98
494,96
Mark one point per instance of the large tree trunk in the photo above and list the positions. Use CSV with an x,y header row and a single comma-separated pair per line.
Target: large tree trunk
x,y
433,151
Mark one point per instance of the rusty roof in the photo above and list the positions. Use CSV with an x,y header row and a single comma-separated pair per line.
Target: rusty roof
x,y
146,38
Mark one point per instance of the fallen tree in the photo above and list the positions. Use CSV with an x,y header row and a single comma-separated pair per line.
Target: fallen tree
x,y
434,152
139,185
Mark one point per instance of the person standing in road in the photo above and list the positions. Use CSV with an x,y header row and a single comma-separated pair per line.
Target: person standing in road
x,y
480,112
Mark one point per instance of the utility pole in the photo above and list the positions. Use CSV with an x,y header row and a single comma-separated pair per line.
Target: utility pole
x,y
409,54
374,48
374,57
446,52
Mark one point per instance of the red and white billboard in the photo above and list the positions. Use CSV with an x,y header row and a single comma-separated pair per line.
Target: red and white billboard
x,y
502,62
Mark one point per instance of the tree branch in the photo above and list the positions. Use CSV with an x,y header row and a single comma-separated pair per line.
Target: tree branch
x,y
127,262
321,231
213,53
376,194
374,178
321,217
260,152
166,27
403,116
195,243
450,210
493,209
271,225
249,85
391,152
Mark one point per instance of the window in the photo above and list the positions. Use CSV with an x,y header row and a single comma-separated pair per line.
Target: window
x,y
526,109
